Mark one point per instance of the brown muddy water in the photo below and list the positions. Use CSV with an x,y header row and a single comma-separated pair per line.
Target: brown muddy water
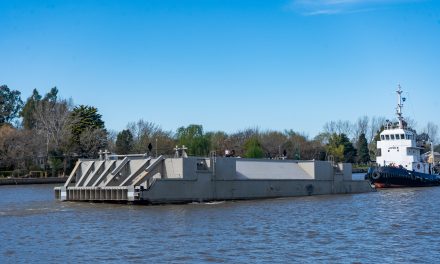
x,y
388,226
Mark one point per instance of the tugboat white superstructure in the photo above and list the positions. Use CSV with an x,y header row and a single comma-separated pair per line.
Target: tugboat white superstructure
x,y
399,163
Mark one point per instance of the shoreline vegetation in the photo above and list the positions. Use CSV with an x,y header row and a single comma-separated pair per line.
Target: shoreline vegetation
x,y
44,136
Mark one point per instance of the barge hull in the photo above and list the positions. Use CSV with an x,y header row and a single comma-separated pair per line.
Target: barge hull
x,y
196,179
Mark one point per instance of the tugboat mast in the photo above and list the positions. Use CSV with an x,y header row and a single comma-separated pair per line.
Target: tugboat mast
x,y
399,107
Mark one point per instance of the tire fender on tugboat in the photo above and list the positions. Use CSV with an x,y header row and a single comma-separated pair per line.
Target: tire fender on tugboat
x,y
375,175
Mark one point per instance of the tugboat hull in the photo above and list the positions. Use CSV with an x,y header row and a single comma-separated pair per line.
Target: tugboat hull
x,y
391,177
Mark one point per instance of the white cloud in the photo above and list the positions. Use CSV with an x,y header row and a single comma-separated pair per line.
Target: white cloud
x,y
332,7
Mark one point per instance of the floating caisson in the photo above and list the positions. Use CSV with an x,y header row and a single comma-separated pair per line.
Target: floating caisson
x,y
145,179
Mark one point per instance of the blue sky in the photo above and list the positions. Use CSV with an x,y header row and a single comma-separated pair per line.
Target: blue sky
x,y
228,65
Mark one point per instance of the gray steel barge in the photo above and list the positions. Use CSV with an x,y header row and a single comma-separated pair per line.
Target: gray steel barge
x,y
144,179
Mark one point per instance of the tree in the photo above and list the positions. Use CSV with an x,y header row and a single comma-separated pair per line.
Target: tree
x,y
237,140
56,162
423,137
52,95
296,145
341,148
431,130
28,111
7,133
87,119
423,141
10,104
92,140
272,143
323,138
253,149
124,142
338,127
411,123
376,124
218,141
145,133
361,126
299,147
84,117
164,142
362,149
335,148
111,140
192,137
17,148
51,120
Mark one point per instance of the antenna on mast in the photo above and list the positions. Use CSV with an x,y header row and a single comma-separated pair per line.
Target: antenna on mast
x,y
400,101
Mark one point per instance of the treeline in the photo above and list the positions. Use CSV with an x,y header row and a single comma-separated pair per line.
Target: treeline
x,y
48,133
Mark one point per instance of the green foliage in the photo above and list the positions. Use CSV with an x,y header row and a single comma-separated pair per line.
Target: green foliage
x,y
84,117
86,127
55,162
27,113
253,149
297,145
217,141
322,138
193,138
52,95
50,100
373,143
341,148
335,148
124,142
362,149
377,135
10,104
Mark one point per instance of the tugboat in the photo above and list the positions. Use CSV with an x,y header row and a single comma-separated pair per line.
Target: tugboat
x,y
399,163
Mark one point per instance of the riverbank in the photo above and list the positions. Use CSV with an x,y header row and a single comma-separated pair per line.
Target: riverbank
x,y
20,181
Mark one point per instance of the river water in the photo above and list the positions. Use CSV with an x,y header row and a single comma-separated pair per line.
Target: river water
x,y
388,226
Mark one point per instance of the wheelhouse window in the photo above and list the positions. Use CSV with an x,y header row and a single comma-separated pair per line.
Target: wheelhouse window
x,y
382,137
397,136
378,152
387,137
392,137
402,136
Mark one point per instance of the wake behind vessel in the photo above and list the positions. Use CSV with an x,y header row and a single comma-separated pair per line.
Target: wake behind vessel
x,y
399,162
